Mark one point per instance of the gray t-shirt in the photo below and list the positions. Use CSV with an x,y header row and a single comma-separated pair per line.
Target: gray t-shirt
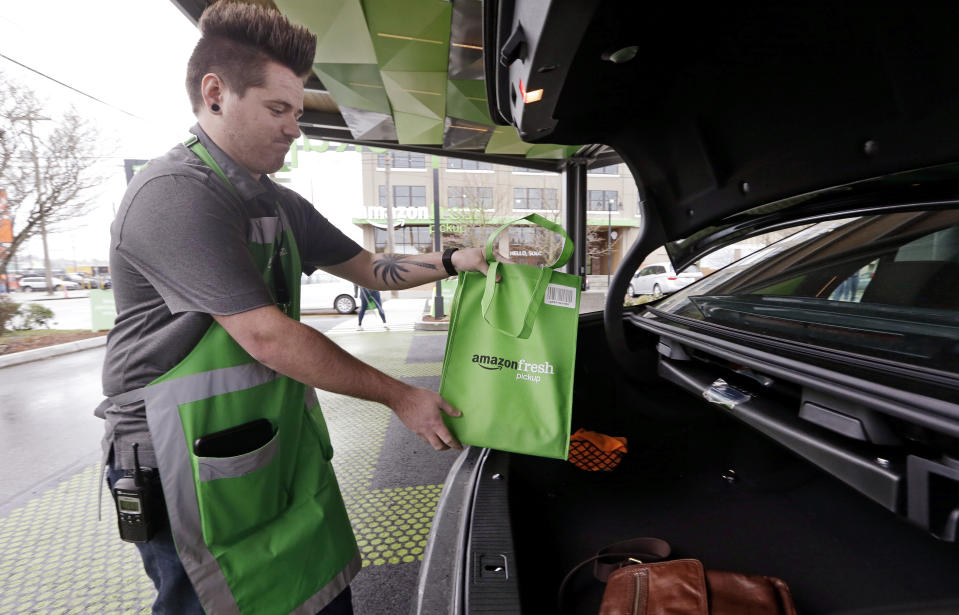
x,y
178,253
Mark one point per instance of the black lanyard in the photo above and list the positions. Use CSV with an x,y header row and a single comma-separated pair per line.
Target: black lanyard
x,y
281,292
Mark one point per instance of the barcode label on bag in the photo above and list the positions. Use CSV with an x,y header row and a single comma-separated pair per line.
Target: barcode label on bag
x,y
561,296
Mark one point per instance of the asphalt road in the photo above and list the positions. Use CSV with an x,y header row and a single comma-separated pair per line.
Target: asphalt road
x,y
47,428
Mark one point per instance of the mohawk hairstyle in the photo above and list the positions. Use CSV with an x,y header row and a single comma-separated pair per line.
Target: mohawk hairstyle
x,y
237,42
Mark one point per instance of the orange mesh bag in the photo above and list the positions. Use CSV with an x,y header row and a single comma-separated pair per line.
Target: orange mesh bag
x,y
595,452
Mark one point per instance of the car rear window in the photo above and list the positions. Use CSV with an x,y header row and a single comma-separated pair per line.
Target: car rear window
x,y
886,286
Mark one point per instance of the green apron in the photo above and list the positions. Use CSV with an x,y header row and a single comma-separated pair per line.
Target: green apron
x,y
265,531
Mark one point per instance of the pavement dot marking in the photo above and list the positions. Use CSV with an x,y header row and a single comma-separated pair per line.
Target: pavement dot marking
x,y
55,557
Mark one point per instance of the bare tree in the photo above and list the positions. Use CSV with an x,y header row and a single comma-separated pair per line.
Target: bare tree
x,y
600,243
470,224
537,245
11,104
47,174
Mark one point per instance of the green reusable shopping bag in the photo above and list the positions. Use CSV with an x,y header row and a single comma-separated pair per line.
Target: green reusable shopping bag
x,y
510,354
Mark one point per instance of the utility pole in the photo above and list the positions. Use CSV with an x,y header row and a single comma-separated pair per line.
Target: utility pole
x,y
609,233
388,162
437,246
30,119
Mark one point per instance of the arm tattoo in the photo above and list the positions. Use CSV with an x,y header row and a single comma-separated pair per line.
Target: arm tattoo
x,y
391,267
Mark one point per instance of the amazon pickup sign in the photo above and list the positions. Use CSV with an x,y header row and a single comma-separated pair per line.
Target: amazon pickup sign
x,y
399,213
402,215
420,213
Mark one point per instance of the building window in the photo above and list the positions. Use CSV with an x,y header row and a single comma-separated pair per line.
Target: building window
x,y
534,198
468,165
469,196
406,239
528,170
468,236
534,245
405,196
612,169
603,200
402,160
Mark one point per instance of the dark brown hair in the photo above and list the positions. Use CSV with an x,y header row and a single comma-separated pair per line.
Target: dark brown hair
x,y
238,40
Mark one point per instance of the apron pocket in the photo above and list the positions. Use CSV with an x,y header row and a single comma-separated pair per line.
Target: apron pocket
x,y
238,495
212,468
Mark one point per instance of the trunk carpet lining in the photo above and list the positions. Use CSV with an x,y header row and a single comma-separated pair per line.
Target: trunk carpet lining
x,y
836,549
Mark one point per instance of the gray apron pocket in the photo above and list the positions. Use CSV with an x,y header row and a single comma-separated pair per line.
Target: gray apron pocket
x,y
212,468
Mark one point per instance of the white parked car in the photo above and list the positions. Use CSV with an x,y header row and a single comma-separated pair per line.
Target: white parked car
x,y
323,291
31,284
661,279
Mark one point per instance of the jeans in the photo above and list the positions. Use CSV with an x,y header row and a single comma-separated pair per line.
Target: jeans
x,y
175,594
365,297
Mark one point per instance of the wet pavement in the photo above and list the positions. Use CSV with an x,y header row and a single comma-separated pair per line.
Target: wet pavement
x,y
55,557
47,427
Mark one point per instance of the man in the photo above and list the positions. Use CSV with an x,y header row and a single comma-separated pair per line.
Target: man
x,y
208,371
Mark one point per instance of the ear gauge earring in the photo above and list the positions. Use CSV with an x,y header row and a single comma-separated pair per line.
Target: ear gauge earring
x,y
215,108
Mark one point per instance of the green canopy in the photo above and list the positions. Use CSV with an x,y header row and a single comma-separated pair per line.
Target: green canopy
x,y
408,74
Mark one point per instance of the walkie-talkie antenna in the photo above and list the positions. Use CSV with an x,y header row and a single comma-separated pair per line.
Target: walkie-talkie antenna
x,y
137,475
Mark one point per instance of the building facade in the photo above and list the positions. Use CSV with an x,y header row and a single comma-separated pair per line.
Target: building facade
x,y
475,198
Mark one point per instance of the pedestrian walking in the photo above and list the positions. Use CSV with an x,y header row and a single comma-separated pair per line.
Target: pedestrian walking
x,y
370,299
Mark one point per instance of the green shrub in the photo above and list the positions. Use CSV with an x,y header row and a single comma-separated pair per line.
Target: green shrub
x,y
640,300
8,311
35,316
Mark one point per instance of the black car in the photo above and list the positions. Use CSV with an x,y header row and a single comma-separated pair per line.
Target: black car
x,y
795,414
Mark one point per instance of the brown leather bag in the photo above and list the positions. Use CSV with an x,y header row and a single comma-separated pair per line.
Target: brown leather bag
x,y
682,587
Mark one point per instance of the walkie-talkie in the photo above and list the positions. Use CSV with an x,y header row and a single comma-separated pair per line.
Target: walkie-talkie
x,y
132,497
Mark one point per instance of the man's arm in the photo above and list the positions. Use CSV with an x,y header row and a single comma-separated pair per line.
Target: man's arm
x,y
397,271
308,356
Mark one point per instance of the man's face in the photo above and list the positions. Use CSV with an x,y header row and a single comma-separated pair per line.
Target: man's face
x,y
260,126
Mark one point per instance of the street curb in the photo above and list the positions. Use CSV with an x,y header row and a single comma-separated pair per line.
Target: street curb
x,y
424,325
38,354
430,325
24,297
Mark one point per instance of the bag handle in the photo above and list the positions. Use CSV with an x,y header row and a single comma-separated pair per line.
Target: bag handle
x,y
535,300
623,553
546,224
539,291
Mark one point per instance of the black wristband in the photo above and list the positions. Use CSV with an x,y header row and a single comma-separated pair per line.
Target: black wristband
x,y
448,260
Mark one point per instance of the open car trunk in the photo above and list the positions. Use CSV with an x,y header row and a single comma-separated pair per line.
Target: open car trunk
x,y
717,490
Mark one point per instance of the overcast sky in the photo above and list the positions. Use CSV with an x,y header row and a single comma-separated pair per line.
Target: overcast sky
x,y
131,55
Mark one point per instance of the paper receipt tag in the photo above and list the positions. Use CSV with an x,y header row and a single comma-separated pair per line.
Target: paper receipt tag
x,y
560,296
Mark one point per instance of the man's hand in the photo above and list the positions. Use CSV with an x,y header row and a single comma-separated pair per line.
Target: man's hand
x,y
470,259
419,410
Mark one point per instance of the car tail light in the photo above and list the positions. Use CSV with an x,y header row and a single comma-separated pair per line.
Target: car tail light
x,y
533,96
672,278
